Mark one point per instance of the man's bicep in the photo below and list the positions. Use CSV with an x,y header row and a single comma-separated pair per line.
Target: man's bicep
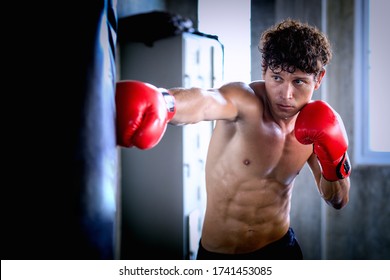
x,y
221,104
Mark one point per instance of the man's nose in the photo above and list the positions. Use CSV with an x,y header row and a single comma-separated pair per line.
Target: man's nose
x,y
288,92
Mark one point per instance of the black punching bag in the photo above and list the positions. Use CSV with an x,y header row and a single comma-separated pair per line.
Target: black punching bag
x,y
61,200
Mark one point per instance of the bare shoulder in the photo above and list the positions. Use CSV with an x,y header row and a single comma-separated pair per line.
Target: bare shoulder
x,y
238,92
258,87
239,86
244,96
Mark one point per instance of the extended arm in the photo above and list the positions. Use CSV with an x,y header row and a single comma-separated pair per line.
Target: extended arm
x,y
143,110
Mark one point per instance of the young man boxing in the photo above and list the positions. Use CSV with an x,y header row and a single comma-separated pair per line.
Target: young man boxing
x,y
264,134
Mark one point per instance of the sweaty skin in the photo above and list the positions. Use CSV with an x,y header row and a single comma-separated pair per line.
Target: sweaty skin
x,y
253,158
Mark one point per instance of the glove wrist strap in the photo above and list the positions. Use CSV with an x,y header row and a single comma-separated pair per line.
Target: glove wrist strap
x,y
336,171
170,102
343,169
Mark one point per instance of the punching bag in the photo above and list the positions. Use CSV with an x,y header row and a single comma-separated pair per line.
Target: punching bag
x,y
61,201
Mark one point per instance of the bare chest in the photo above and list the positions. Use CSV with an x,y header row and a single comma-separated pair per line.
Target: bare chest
x,y
264,153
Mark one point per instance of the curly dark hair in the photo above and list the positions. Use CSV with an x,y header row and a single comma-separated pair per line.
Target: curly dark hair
x,y
291,45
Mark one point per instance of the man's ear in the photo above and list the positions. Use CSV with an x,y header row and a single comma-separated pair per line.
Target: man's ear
x,y
319,78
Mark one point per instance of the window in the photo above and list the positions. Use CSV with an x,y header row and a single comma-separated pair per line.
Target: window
x,y
372,122
230,21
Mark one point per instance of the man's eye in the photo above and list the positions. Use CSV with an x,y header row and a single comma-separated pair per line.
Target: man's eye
x,y
276,78
299,82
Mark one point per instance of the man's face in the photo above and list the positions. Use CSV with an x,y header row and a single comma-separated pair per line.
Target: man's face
x,y
288,92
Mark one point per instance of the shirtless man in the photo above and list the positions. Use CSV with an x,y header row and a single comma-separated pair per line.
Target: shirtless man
x,y
265,132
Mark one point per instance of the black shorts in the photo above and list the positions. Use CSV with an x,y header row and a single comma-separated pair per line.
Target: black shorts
x,y
286,248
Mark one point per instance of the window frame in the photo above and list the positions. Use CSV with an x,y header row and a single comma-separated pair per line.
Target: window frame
x,y
363,155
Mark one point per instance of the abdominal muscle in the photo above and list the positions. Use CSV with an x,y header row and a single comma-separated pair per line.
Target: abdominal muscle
x,y
243,216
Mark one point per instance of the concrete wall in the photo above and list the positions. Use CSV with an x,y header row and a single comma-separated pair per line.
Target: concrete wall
x,y
362,230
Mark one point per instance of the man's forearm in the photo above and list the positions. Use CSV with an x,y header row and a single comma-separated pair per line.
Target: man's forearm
x,y
335,193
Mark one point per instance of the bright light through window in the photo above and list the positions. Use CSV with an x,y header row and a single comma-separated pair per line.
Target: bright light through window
x,y
379,58
372,130
230,21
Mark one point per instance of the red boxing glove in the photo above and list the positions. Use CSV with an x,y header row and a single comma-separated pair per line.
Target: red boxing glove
x,y
142,113
320,125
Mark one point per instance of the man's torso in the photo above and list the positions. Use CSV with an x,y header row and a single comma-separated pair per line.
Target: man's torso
x,y
250,170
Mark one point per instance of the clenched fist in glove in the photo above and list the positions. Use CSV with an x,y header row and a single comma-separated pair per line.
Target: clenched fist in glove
x,y
318,124
142,113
